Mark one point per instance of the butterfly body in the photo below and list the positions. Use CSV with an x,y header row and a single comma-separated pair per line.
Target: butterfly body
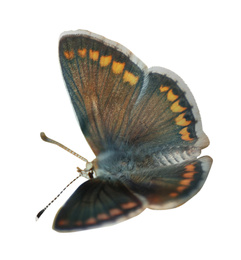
x,y
143,126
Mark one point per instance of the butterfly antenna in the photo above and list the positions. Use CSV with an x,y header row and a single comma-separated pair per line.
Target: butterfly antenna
x,y
46,139
42,211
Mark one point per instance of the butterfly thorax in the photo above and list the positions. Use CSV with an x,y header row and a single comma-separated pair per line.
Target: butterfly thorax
x,y
113,163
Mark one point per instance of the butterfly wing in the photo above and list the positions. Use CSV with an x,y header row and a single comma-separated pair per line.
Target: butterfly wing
x,y
166,114
170,186
104,80
97,202
120,104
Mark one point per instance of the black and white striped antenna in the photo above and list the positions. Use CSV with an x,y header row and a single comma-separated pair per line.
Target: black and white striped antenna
x,y
49,140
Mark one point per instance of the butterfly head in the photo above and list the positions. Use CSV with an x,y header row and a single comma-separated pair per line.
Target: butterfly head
x,y
89,166
88,172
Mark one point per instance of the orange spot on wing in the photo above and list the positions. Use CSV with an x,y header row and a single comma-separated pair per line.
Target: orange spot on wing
x,y
94,55
189,174
129,205
190,171
175,107
131,78
171,96
78,223
90,221
118,67
82,52
163,88
63,222
115,212
186,182
190,167
69,55
185,134
181,188
103,216
105,60
180,120
173,194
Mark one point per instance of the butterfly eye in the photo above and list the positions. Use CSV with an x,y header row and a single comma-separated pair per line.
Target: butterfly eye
x,y
91,174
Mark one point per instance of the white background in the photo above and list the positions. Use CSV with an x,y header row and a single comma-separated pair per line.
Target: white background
x,y
200,41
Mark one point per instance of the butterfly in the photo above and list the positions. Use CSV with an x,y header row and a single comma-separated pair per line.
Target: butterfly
x,y
142,124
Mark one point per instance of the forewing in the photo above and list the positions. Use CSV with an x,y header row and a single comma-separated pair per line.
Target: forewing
x,y
171,186
104,80
97,202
